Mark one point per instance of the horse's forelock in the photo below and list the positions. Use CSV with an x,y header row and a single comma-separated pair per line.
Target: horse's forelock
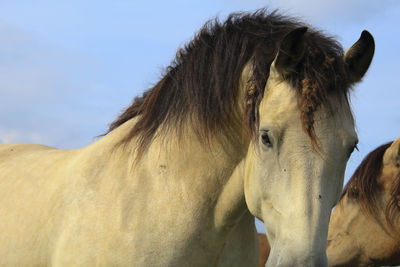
x,y
323,74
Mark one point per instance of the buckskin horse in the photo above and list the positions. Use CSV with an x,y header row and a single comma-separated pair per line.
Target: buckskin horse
x,y
251,119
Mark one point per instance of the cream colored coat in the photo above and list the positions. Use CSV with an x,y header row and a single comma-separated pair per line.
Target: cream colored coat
x,y
93,207
182,203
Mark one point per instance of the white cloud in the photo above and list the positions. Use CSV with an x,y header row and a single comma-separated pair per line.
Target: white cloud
x,y
9,136
13,136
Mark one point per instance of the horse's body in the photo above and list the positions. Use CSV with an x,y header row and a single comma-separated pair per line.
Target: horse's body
x,y
73,201
365,226
79,207
169,184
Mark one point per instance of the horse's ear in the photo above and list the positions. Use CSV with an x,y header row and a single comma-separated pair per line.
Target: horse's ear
x,y
291,51
392,154
359,56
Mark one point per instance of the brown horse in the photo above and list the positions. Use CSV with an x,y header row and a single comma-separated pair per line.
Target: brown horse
x,y
364,229
264,250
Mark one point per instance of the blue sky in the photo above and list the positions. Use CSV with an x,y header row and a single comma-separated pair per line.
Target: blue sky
x,y
68,68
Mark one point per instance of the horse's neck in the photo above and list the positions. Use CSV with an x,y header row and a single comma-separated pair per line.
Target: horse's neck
x,y
214,173
231,202
203,170
214,169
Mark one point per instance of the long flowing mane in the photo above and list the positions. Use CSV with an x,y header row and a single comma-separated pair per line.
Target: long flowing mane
x,y
201,86
363,185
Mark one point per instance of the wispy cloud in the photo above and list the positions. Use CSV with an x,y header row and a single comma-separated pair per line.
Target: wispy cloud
x,y
12,135
319,11
8,136
27,68
43,90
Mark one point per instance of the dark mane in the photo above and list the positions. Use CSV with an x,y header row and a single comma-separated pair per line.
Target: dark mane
x,y
363,185
201,86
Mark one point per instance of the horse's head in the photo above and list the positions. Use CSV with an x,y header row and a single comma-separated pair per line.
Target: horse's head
x,y
364,226
296,162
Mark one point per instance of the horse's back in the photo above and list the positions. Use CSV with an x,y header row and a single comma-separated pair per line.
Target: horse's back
x,y
61,207
29,164
30,202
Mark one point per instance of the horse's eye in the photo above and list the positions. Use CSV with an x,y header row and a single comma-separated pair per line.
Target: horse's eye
x,y
265,139
352,149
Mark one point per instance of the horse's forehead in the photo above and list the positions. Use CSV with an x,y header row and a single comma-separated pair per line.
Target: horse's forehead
x,y
279,102
282,101
342,115
280,105
337,121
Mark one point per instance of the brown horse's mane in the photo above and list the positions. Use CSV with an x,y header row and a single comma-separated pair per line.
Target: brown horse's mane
x,y
201,86
363,185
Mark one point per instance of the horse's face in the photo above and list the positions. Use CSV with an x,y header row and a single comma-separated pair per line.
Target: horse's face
x,y
288,184
356,238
